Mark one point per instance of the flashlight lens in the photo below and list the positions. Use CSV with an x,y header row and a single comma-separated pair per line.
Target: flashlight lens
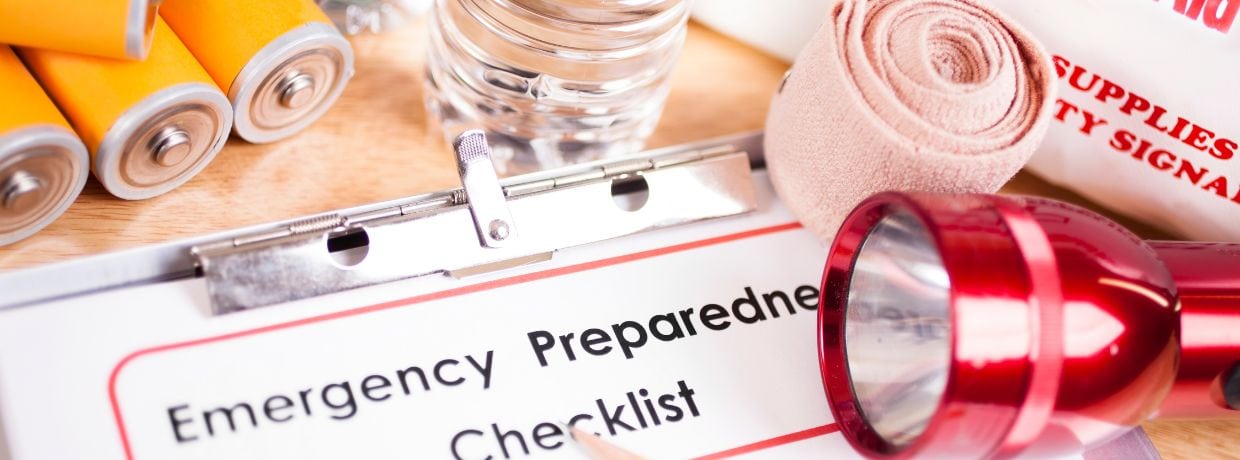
x,y
896,328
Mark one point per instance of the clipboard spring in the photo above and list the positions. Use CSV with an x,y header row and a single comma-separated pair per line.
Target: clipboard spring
x,y
517,221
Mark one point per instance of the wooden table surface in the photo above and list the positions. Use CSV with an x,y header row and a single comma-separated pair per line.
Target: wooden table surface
x,y
376,144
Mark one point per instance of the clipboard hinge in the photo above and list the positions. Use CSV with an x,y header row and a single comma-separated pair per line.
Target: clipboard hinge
x,y
472,230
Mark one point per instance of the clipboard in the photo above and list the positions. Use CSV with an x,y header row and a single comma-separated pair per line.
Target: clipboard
x,y
674,317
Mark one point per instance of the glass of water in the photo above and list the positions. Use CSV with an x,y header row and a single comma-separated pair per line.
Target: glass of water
x,y
553,82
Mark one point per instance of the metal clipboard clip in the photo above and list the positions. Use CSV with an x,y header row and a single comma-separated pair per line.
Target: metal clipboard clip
x,y
484,226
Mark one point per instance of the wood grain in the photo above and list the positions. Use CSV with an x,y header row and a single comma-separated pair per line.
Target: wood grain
x,y
376,144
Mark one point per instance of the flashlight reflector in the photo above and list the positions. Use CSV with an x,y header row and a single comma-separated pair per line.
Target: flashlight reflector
x,y
896,328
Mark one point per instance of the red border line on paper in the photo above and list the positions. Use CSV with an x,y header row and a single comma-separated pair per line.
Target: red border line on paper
x,y
485,286
773,442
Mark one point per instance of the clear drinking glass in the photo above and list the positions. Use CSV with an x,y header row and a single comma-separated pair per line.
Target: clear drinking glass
x,y
553,82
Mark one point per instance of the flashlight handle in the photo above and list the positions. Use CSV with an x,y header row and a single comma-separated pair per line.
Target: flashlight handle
x,y
1207,277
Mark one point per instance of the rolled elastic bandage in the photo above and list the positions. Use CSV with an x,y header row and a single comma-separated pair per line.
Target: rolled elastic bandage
x,y
931,95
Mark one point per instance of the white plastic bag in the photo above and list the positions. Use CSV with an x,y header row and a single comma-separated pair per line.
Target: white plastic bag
x,y
1149,113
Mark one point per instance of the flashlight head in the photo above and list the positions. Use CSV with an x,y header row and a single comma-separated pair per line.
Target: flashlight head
x,y
977,326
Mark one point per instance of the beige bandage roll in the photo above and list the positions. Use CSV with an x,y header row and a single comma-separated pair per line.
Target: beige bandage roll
x,y
930,95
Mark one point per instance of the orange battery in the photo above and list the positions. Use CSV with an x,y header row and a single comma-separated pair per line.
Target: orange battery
x,y
150,126
43,164
109,28
282,62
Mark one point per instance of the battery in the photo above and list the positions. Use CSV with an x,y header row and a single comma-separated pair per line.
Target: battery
x,y
110,28
43,164
282,62
151,125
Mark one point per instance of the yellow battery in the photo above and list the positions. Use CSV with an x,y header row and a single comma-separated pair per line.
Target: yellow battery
x,y
110,28
150,126
282,62
43,164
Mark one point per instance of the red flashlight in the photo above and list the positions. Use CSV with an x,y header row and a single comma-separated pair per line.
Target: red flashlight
x,y
985,326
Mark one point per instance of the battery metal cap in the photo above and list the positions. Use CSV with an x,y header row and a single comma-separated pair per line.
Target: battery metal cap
x,y
163,141
42,170
290,83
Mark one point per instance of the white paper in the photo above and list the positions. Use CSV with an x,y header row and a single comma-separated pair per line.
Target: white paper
x,y
750,383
